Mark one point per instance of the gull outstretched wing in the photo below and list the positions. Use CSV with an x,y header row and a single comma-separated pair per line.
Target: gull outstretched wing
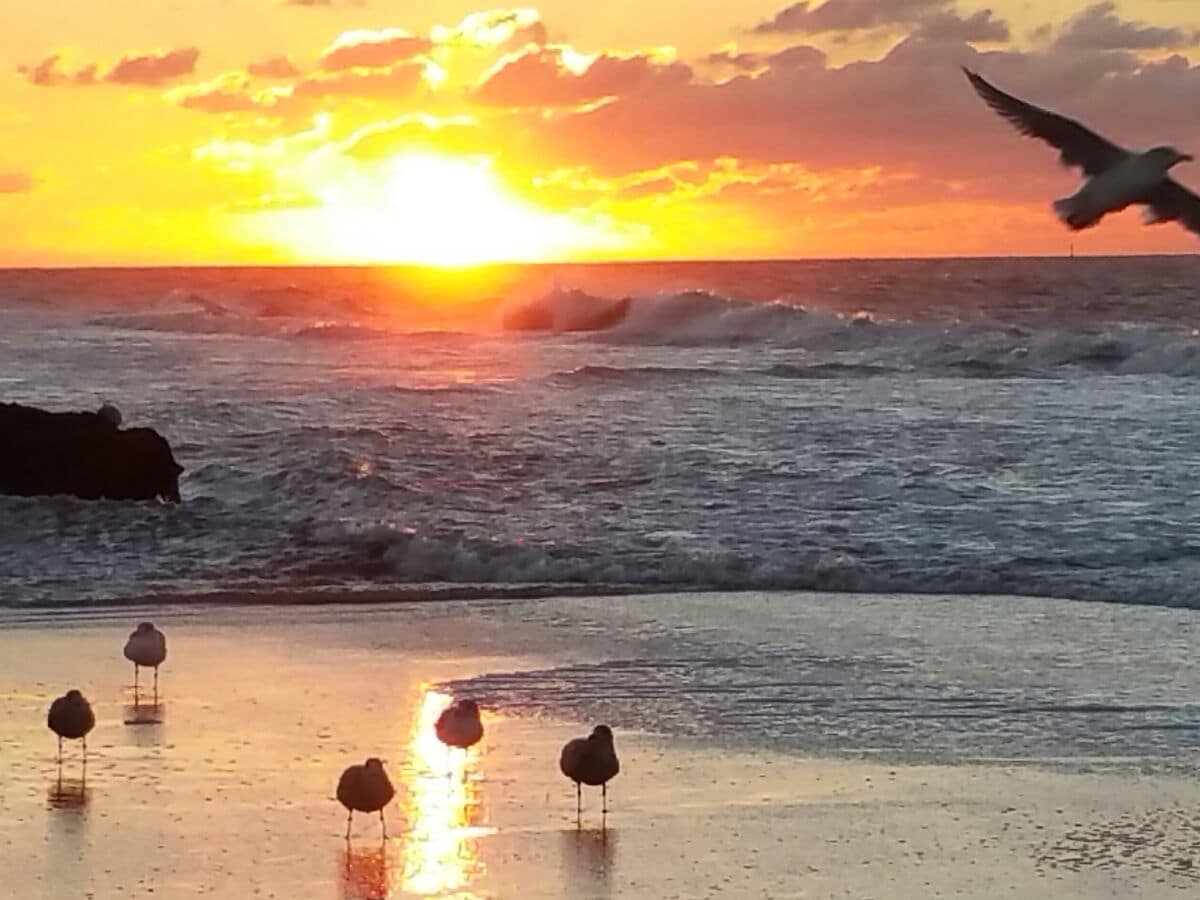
x,y
1078,145
1172,202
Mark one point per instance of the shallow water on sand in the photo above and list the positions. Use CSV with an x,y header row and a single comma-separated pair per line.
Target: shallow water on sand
x,y
230,793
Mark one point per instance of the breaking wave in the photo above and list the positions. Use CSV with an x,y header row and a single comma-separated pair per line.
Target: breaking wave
x,y
663,561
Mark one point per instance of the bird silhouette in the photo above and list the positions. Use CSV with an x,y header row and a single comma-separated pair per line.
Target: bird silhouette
x,y
367,789
1116,177
71,717
147,646
592,761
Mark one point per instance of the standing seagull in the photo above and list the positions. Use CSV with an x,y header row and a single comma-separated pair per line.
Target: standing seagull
x,y
459,725
71,717
591,760
1116,178
365,788
147,646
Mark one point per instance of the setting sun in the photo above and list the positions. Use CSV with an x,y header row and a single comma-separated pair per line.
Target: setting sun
x,y
428,209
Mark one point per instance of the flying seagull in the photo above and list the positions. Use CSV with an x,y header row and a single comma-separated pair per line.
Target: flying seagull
x,y
1116,178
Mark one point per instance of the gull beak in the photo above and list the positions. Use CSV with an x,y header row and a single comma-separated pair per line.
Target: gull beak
x,y
1186,157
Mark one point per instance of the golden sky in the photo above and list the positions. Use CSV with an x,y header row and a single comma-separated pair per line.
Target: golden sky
x,y
302,131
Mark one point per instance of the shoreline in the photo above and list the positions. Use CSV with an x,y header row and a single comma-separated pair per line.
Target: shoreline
x,y
397,595
232,792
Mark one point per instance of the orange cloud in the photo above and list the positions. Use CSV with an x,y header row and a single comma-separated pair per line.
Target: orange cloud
x,y
397,82
373,49
16,182
274,67
142,69
420,134
229,93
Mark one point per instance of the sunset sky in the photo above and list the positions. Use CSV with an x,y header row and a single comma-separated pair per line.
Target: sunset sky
x,y
323,131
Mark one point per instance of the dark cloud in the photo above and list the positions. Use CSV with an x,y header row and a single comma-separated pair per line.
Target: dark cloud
x,y
798,56
909,111
541,78
1100,28
979,27
847,15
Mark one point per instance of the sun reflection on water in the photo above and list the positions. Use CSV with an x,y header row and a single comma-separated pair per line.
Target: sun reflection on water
x,y
443,809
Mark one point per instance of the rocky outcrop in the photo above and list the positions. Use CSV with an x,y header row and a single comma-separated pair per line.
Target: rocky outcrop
x,y
84,454
566,311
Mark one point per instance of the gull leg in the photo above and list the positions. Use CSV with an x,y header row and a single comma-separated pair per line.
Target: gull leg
x,y
60,753
383,824
578,799
156,685
349,819
85,752
604,799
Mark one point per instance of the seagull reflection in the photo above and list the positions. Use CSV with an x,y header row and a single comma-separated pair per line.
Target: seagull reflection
x,y
144,713
68,793
588,856
444,814
366,874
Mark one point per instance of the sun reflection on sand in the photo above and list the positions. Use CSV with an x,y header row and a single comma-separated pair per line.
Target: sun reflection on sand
x,y
443,808
366,874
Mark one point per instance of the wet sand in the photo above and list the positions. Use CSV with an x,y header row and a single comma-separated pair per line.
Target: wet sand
x,y
226,788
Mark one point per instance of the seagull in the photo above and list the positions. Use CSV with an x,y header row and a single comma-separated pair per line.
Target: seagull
x,y
459,725
71,717
1116,178
591,760
147,646
365,788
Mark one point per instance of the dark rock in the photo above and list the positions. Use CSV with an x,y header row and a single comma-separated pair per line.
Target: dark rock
x,y
565,311
83,454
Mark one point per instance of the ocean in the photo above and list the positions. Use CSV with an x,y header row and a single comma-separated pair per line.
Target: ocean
x,y
957,427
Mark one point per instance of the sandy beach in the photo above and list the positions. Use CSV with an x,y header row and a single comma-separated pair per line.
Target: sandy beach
x,y
226,789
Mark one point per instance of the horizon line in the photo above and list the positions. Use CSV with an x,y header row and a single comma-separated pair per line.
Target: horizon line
x,y
68,267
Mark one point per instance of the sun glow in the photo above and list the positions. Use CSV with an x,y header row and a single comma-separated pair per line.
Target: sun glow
x,y
431,210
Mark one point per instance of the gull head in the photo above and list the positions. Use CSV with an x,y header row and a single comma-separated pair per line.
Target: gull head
x,y
1166,157
602,733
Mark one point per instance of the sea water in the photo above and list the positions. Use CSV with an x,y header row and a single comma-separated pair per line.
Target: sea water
x,y
1026,426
